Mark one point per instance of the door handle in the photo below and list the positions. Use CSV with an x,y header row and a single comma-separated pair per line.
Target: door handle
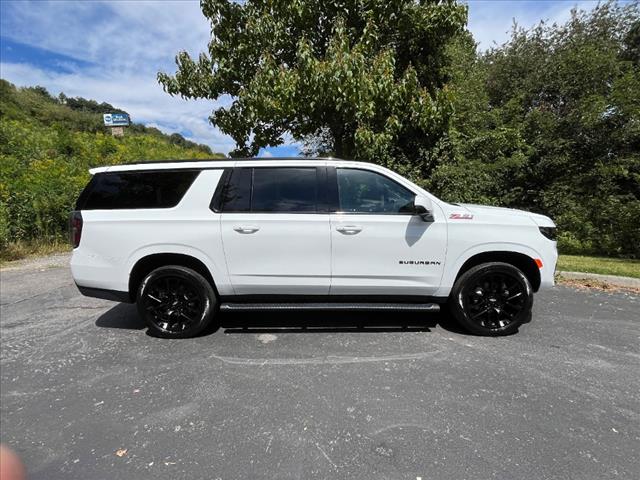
x,y
246,228
349,229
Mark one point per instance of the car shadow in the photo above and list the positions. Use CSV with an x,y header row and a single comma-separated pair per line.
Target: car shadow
x,y
125,316
322,322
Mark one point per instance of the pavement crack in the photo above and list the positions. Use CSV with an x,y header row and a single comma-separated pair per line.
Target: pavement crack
x,y
326,456
33,296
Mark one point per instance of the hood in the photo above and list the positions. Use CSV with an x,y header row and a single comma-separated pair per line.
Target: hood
x,y
540,220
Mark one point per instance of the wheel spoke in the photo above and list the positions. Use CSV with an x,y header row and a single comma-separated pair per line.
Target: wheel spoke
x,y
495,300
173,304
480,313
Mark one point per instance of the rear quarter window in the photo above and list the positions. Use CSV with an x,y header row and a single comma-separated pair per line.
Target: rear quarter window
x,y
131,190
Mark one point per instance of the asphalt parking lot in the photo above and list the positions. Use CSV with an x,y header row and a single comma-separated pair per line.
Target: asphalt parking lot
x,y
87,394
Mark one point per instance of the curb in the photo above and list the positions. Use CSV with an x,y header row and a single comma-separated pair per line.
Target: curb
x,y
610,279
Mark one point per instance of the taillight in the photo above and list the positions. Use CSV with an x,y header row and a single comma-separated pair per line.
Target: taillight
x,y
75,228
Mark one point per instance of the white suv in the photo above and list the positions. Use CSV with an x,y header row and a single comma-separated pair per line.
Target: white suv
x,y
187,239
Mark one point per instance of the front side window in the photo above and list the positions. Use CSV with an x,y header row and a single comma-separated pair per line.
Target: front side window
x,y
363,191
271,190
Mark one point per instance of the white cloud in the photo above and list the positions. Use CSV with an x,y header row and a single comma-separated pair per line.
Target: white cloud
x,y
141,96
124,44
112,34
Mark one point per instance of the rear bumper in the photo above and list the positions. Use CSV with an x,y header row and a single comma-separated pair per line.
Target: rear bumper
x,y
113,295
92,271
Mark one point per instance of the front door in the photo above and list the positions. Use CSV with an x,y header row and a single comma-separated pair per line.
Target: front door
x,y
275,235
379,246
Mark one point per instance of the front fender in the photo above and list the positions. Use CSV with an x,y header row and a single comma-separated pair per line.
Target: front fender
x,y
454,262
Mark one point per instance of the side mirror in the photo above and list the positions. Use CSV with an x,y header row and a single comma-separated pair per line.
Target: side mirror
x,y
424,208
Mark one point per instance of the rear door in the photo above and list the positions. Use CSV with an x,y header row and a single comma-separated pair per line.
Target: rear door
x,y
275,230
379,246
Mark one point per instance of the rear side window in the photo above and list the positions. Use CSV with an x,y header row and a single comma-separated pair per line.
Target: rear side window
x,y
284,190
236,194
130,190
272,190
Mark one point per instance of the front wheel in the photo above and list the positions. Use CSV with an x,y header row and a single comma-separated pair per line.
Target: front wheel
x,y
176,302
491,299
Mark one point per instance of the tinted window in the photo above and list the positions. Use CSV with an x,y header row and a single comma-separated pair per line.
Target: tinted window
x,y
122,190
362,191
284,190
236,194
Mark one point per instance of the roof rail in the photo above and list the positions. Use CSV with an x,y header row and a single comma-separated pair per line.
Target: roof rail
x,y
228,159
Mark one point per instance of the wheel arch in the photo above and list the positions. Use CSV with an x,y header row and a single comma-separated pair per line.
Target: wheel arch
x,y
524,262
150,262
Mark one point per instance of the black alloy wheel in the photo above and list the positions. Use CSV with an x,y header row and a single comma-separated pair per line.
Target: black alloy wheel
x,y
492,299
176,302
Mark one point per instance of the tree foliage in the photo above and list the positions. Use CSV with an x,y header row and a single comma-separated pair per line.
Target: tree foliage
x,y
85,105
550,122
365,77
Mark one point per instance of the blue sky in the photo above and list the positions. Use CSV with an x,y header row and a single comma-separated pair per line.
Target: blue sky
x,y
111,51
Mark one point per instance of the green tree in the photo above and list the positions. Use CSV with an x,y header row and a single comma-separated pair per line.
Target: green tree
x,y
550,121
85,105
356,78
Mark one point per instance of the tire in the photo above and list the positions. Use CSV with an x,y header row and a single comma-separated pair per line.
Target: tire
x,y
492,299
176,302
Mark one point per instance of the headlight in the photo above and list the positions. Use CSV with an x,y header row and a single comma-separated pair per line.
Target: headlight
x,y
549,232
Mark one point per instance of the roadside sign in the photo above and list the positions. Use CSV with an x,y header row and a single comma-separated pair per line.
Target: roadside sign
x,y
116,119
117,131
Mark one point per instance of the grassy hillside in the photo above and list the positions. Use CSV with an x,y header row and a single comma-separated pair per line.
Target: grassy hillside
x,y
48,144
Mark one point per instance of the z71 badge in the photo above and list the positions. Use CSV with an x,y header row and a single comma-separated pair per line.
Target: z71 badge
x,y
461,216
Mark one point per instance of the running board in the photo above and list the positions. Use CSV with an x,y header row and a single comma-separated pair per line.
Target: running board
x,y
342,307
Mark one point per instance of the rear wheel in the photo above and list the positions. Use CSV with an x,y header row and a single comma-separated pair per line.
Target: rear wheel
x,y
492,299
176,302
